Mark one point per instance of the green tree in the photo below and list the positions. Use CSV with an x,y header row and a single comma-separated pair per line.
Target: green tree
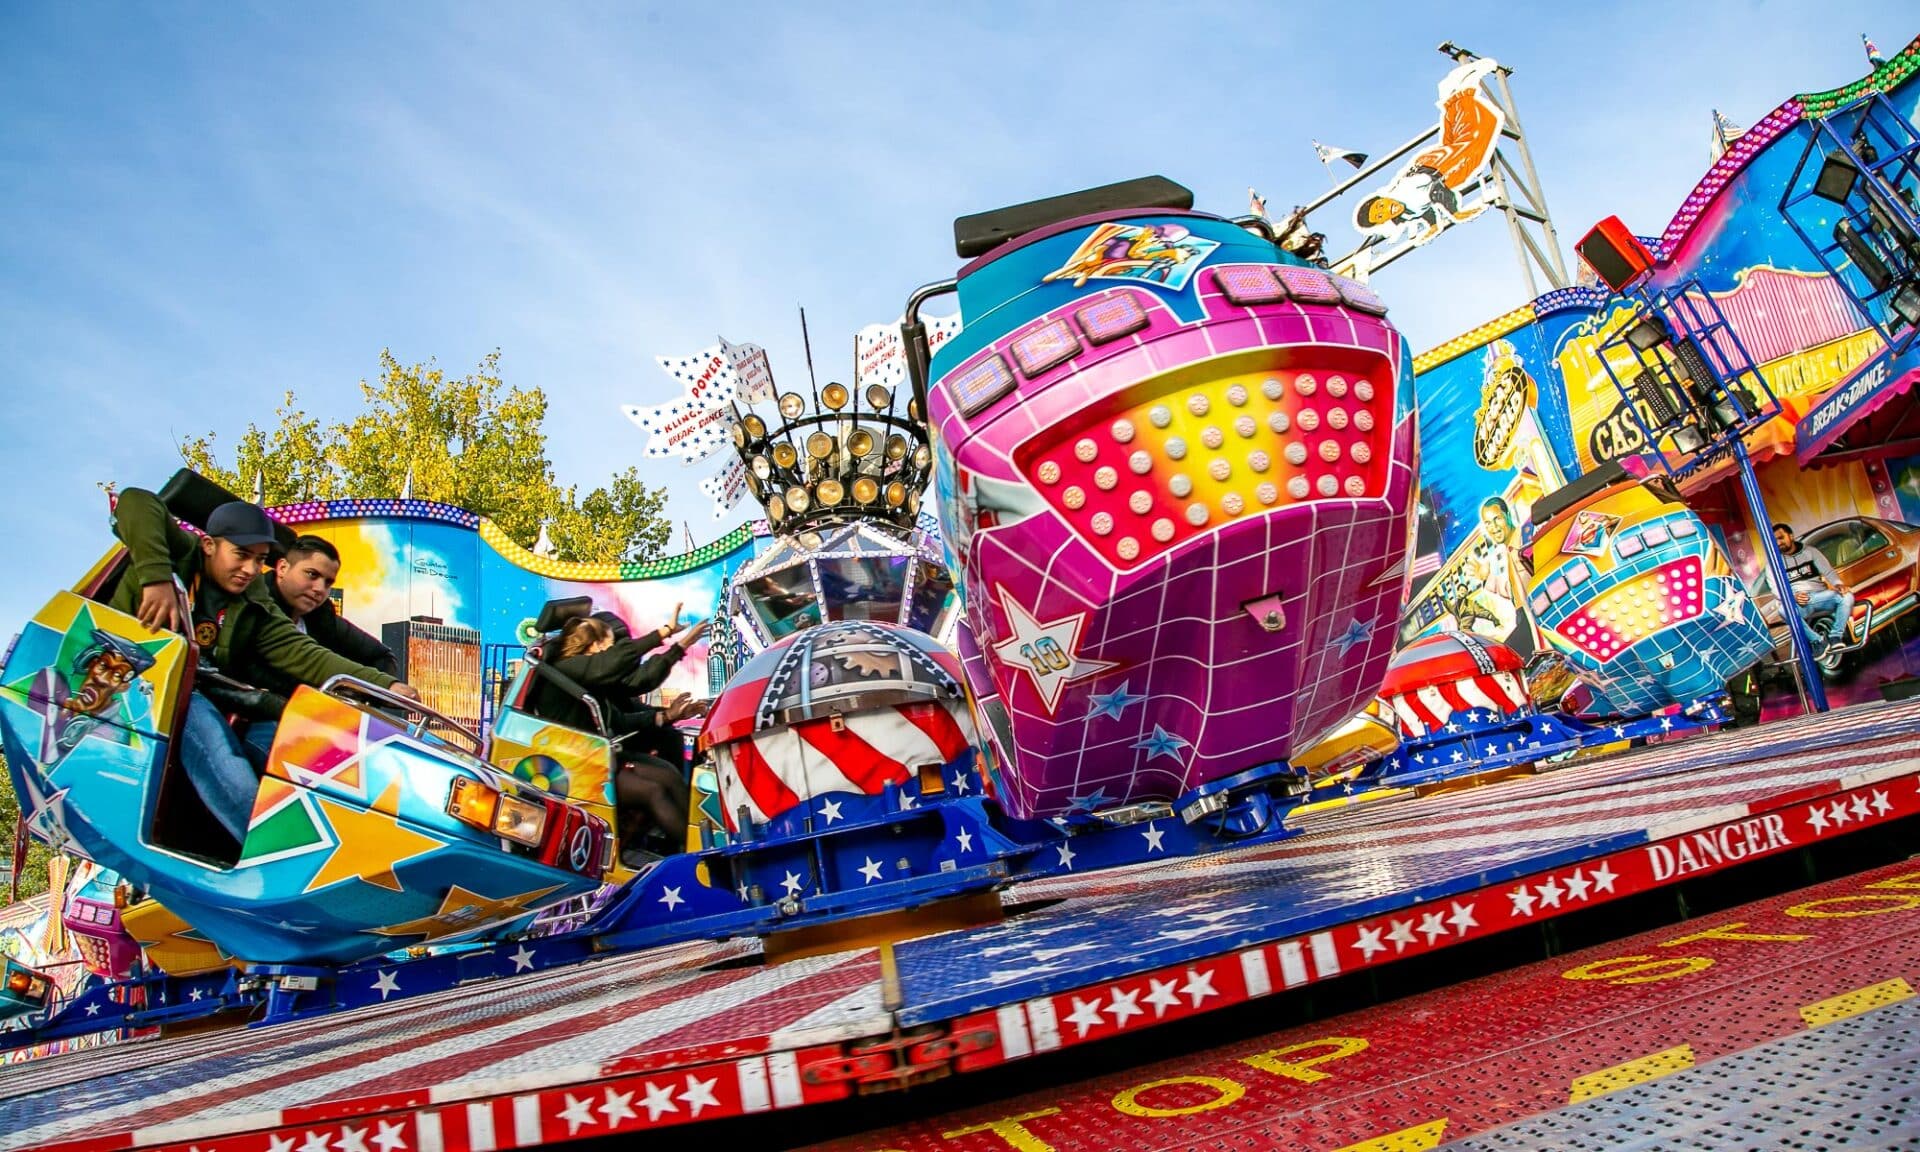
x,y
472,441
33,878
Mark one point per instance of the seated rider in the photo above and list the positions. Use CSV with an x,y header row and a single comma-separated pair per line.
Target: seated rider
x,y
588,655
644,727
1825,604
299,583
204,588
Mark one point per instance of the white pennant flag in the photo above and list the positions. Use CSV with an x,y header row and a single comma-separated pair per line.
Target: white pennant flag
x,y
749,364
726,487
879,354
694,426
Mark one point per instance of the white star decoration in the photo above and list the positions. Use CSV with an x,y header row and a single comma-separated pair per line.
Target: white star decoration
x,y
1161,994
791,883
831,810
391,1137
659,1099
1049,652
1153,836
699,1094
671,898
386,983
1066,855
1401,934
871,870
1198,987
1085,1015
965,840
1124,1006
1369,943
522,959
577,1114
616,1106
352,1140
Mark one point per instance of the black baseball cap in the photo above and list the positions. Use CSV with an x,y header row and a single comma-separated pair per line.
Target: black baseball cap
x,y
241,524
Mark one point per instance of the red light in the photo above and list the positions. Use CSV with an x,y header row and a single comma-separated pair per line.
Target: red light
x,y
1049,344
1248,284
1307,285
1109,319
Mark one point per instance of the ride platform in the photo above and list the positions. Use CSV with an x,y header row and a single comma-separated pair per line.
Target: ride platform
x,y
703,1033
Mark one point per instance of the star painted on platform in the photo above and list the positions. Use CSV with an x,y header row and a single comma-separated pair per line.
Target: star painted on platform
x,y
463,911
1111,704
908,802
792,883
1522,901
279,1144
965,840
195,994
1091,802
699,1094
1198,987
871,870
93,1009
522,959
1881,804
960,784
831,810
1838,813
1153,837
1066,855
1461,917
1401,933
1085,1016
1369,943
617,1106
352,1140
1161,994
1861,809
1577,885
1124,1006
1433,926
369,844
1603,878
671,898
386,983
391,1137
1550,893
1357,633
1162,743
316,1142
578,1113
659,1099
1048,652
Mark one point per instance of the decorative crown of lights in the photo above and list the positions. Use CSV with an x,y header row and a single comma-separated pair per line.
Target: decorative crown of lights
x,y
846,455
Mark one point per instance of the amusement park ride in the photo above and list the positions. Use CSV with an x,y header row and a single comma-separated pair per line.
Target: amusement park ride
x,y
1126,741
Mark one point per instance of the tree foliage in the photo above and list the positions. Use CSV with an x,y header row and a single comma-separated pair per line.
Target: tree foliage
x,y
472,441
33,878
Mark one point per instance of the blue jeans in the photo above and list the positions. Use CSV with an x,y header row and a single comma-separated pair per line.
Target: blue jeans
x,y
217,765
260,740
1838,609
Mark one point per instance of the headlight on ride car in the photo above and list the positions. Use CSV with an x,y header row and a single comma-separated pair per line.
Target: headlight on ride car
x,y
521,820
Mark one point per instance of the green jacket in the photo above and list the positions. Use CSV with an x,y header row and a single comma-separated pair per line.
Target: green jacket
x,y
256,635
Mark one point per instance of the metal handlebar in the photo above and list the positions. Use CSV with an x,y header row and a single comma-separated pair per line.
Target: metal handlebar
x,y
341,685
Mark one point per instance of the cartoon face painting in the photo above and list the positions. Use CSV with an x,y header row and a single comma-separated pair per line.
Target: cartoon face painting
x,y
1157,253
75,700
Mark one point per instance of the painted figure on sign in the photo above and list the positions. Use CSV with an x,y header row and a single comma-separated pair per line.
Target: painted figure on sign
x,y
1423,199
78,700
1164,253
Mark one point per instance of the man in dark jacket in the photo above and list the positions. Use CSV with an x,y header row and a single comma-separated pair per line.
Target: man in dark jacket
x,y
299,583
205,588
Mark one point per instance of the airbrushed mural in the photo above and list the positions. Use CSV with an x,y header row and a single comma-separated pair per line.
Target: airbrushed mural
x,y
462,597
1524,403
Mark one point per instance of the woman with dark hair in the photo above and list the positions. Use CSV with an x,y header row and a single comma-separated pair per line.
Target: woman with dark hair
x,y
647,790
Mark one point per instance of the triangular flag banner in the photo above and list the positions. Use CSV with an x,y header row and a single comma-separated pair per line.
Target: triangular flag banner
x,y
749,364
1329,154
1873,51
726,487
879,356
694,426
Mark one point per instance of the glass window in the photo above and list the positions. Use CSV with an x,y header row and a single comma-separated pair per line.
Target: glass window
x,y
865,588
784,601
932,599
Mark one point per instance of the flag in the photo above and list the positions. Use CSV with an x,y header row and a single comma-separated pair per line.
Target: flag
x,y
726,487
1256,204
749,363
1725,132
879,356
1873,52
1329,154
694,426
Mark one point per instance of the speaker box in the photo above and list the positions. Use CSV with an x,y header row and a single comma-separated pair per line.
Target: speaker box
x,y
1615,254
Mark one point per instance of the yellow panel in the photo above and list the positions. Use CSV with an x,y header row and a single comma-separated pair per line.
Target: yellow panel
x,y
1419,1138
1637,1071
1857,1001
159,932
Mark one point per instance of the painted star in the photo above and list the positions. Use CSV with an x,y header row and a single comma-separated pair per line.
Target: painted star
x,y
1162,743
93,1009
1433,926
831,810
1881,804
1048,955
352,1140
659,1099
1091,802
1550,893
871,870
522,959
1357,633
1522,901
386,983
617,1106
671,898
792,883
370,843
1733,608
1401,933
1153,837
46,814
699,1094
1603,878
462,911
1085,1015
1839,814
1577,885
965,840
960,784
1066,855
1111,704
1198,987
197,993
908,802
279,1144
1860,807
1369,943
316,1142
1161,994
1048,652
1124,1006
1461,917
391,1137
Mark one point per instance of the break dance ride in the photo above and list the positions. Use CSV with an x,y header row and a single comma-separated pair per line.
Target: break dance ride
x,y
1033,779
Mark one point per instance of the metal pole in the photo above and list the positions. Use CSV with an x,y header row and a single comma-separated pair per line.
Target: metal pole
x,y
1518,233
1805,670
1534,191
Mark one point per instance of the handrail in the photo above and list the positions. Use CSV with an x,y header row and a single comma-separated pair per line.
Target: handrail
x,y
913,335
339,685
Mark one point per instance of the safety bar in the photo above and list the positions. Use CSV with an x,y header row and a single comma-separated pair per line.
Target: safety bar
x,y
913,335
340,685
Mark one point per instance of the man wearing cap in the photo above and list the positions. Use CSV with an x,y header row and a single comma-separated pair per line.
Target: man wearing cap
x,y
206,587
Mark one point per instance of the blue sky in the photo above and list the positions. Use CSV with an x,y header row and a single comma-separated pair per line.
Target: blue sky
x,y
209,204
